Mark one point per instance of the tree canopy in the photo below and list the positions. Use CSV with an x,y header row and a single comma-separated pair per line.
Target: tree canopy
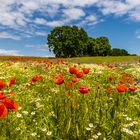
x,y
119,52
72,41
67,41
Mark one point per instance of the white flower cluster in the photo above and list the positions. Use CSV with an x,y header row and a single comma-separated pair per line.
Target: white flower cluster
x,y
128,131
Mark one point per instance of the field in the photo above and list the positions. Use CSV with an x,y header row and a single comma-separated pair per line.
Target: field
x,y
70,99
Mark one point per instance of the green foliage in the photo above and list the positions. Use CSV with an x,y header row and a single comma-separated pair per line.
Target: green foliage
x,y
104,46
119,52
67,41
98,47
92,47
71,41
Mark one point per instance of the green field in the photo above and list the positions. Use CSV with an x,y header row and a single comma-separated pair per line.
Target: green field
x,y
107,59
90,98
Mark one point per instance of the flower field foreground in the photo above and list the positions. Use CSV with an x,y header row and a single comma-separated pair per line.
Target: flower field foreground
x,y
49,100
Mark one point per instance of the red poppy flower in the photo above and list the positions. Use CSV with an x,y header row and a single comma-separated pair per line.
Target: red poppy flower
x,y
84,90
12,82
122,81
124,75
79,74
109,90
86,70
132,88
72,70
10,104
59,80
12,92
69,85
2,96
74,80
34,79
3,111
37,78
2,85
121,88
130,80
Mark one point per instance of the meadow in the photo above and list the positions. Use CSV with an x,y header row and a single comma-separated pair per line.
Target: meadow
x,y
94,98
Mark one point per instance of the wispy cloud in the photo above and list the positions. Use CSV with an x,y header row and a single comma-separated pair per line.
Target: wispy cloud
x,y
138,34
50,55
56,23
90,20
41,33
72,3
40,47
6,35
113,7
10,52
74,13
40,21
131,8
19,15
25,16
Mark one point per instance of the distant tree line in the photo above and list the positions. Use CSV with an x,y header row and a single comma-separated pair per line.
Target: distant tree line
x,y
119,52
72,41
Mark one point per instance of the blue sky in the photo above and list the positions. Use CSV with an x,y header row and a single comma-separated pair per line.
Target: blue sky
x,y
25,24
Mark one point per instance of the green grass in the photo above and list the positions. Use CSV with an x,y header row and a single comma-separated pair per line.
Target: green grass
x,y
99,60
55,112
109,59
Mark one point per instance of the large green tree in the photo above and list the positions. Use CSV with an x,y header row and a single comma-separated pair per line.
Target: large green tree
x,y
103,46
68,41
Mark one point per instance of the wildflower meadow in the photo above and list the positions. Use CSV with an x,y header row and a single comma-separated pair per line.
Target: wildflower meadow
x,y
65,100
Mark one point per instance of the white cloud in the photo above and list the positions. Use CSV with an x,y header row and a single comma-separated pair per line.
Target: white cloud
x,y
131,8
40,21
41,33
73,13
135,15
10,16
56,23
133,3
28,15
40,47
6,35
52,10
15,14
10,52
91,18
30,4
18,13
71,3
113,7
51,55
